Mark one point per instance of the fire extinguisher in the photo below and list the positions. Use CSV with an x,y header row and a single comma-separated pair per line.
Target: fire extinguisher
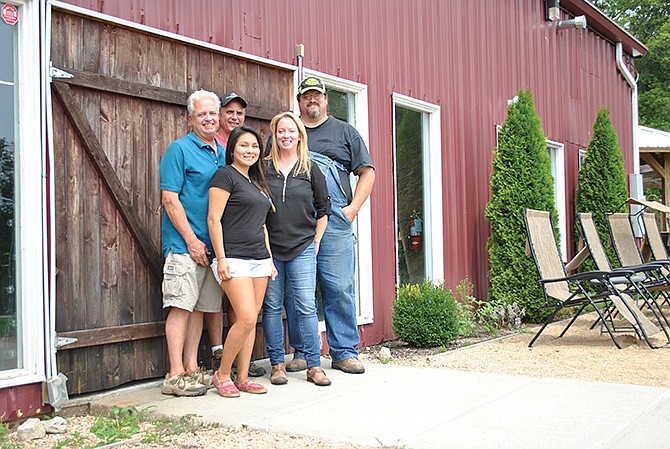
x,y
415,232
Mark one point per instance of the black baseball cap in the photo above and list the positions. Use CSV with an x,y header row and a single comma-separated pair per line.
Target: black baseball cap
x,y
230,96
311,83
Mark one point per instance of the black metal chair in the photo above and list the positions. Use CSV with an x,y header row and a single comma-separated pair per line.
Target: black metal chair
x,y
561,290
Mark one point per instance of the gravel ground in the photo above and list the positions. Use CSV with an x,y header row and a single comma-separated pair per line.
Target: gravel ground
x,y
581,354
78,436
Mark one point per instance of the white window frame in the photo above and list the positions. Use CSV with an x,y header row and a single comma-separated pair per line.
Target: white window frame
x,y
557,155
581,157
30,205
364,222
432,194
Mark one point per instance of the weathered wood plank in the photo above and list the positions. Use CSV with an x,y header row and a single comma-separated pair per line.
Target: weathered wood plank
x,y
124,87
62,142
148,92
92,145
113,334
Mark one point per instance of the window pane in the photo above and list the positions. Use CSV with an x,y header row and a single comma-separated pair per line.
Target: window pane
x,y
339,105
8,307
409,195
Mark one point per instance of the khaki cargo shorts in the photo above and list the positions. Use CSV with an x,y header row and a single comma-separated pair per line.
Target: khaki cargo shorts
x,y
189,286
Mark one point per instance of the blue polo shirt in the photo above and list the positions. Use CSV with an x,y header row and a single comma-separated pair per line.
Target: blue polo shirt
x,y
186,168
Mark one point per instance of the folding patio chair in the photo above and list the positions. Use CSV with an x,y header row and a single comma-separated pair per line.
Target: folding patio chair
x,y
654,238
623,240
642,284
655,243
561,290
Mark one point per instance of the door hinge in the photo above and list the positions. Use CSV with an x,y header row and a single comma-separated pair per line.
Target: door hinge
x,y
55,72
64,341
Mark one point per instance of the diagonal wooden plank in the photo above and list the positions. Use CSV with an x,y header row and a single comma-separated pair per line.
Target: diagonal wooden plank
x,y
109,177
654,164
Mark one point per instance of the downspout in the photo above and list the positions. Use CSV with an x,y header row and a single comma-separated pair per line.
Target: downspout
x,y
633,85
635,183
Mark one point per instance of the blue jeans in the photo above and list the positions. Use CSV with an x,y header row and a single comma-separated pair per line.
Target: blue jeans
x,y
335,271
294,289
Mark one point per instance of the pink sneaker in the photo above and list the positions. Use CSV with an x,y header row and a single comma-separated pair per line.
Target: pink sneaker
x,y
250,387
226,389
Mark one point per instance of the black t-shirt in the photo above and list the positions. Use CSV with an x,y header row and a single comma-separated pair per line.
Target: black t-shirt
x,y
341,142
244,215
299,202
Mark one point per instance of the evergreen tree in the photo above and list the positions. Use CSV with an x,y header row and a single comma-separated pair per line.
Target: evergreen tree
x,y
601,185
521,178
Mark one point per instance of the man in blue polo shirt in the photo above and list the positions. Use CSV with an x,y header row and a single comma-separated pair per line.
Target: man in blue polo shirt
x,y
189,287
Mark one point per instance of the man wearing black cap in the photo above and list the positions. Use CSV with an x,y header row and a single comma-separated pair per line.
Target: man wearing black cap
x,y
339,150
231,115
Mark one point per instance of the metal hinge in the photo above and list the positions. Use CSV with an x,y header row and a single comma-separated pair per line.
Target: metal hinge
x,y
64,341
55,72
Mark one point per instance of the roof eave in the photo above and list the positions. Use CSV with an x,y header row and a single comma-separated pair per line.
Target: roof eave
x,y
605,26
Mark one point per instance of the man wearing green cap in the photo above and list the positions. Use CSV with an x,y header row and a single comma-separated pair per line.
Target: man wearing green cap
x,y
339,150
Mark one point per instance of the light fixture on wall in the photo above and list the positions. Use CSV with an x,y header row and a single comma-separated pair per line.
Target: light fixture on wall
x,y
552,10
577,22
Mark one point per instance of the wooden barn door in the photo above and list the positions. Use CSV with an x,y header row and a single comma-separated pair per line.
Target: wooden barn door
x,y
112,122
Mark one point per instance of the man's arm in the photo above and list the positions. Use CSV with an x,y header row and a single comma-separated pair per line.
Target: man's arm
x,y
175,211
366,179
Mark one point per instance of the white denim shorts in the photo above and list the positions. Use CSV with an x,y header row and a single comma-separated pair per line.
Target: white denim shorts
x,y
245,268
189,286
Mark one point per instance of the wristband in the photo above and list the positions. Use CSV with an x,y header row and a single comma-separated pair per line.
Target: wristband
x,y
219,258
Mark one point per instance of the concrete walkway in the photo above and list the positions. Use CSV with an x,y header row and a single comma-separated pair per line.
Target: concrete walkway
x,y
424,408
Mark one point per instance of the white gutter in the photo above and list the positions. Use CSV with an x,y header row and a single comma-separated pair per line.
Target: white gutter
x,y
633,85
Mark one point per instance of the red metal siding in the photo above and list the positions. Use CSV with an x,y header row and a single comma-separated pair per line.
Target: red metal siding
x,y
468,56
22,402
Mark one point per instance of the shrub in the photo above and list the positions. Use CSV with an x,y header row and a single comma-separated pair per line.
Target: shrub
x,y
601,184
425,315
521,178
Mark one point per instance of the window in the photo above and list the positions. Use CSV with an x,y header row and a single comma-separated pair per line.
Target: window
x,y
555,150
22,209
348,101
582,156
10,341
418,191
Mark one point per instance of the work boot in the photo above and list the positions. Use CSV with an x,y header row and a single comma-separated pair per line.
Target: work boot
x,y
350,365
296,364
316,375
278,376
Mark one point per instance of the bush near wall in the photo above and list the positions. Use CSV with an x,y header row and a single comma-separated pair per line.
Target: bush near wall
x,y
601,185
521,178
425,315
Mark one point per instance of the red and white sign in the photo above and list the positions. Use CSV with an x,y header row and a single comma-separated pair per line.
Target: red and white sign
x,y
9,14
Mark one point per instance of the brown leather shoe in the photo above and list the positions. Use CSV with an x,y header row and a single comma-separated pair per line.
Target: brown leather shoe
x,y
278,376
316,375
351,365
295,364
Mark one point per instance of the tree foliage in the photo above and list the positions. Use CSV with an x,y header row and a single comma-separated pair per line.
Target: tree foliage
x,y
649,21
601,184
521,178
